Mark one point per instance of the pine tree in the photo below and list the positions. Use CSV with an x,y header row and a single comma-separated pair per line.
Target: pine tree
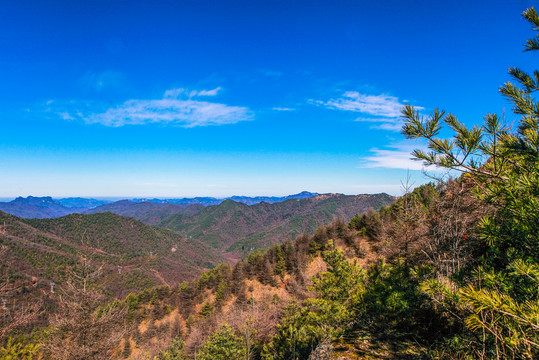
x,y
174,351
500,300
16,351
338,291
207,310
222,345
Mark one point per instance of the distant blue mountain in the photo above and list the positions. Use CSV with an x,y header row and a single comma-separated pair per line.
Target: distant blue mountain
x,y
271,199
36,207
207,201
82,203
47,207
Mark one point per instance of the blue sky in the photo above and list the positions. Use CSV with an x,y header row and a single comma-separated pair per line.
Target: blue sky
x,y
220,98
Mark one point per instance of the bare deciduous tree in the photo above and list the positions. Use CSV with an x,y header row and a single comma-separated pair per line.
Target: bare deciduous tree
x,y
86,328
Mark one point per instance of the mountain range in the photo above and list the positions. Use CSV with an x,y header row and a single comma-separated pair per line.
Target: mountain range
x,y
47,207
150,213
39,207
231,228
236,227
189,238
207,201
43,260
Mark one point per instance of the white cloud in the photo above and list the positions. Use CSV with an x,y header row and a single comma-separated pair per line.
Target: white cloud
x,y
186,93
65,116
378,105
171,110
283,109
390,126
391,159
385,110
188,113
398,156
211,92
383,123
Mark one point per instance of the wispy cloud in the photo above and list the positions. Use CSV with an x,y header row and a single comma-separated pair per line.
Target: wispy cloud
x,y
211,92
379,105
178,107
390,126
283,109
384,110
395,156
186,93
188,113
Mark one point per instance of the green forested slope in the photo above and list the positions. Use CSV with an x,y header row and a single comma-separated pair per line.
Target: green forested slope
x,y
148,212
233,226
128,255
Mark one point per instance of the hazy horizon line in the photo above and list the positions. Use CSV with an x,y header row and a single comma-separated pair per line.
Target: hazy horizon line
x,y
117,198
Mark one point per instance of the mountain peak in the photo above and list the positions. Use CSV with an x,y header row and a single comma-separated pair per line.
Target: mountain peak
x,y
305,193
33,200
230,204
35,207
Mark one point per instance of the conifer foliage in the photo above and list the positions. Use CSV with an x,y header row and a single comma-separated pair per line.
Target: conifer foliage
x,y
498,299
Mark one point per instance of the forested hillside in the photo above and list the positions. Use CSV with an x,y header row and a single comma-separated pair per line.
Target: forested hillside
x,y
237,227
337,292
127,254
148,212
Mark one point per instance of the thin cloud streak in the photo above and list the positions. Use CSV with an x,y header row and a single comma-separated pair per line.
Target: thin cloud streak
x,y
390,126
398,156
181,92
283,109
391,159
172,109
382,109
187,113
378,105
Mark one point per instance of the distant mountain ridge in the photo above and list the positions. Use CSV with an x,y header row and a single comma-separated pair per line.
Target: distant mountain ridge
x,y
82,203
233,226
239,223
37,207
47,207
148,212
249,200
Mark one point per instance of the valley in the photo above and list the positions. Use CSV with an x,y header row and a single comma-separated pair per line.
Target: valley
x,y
149,245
